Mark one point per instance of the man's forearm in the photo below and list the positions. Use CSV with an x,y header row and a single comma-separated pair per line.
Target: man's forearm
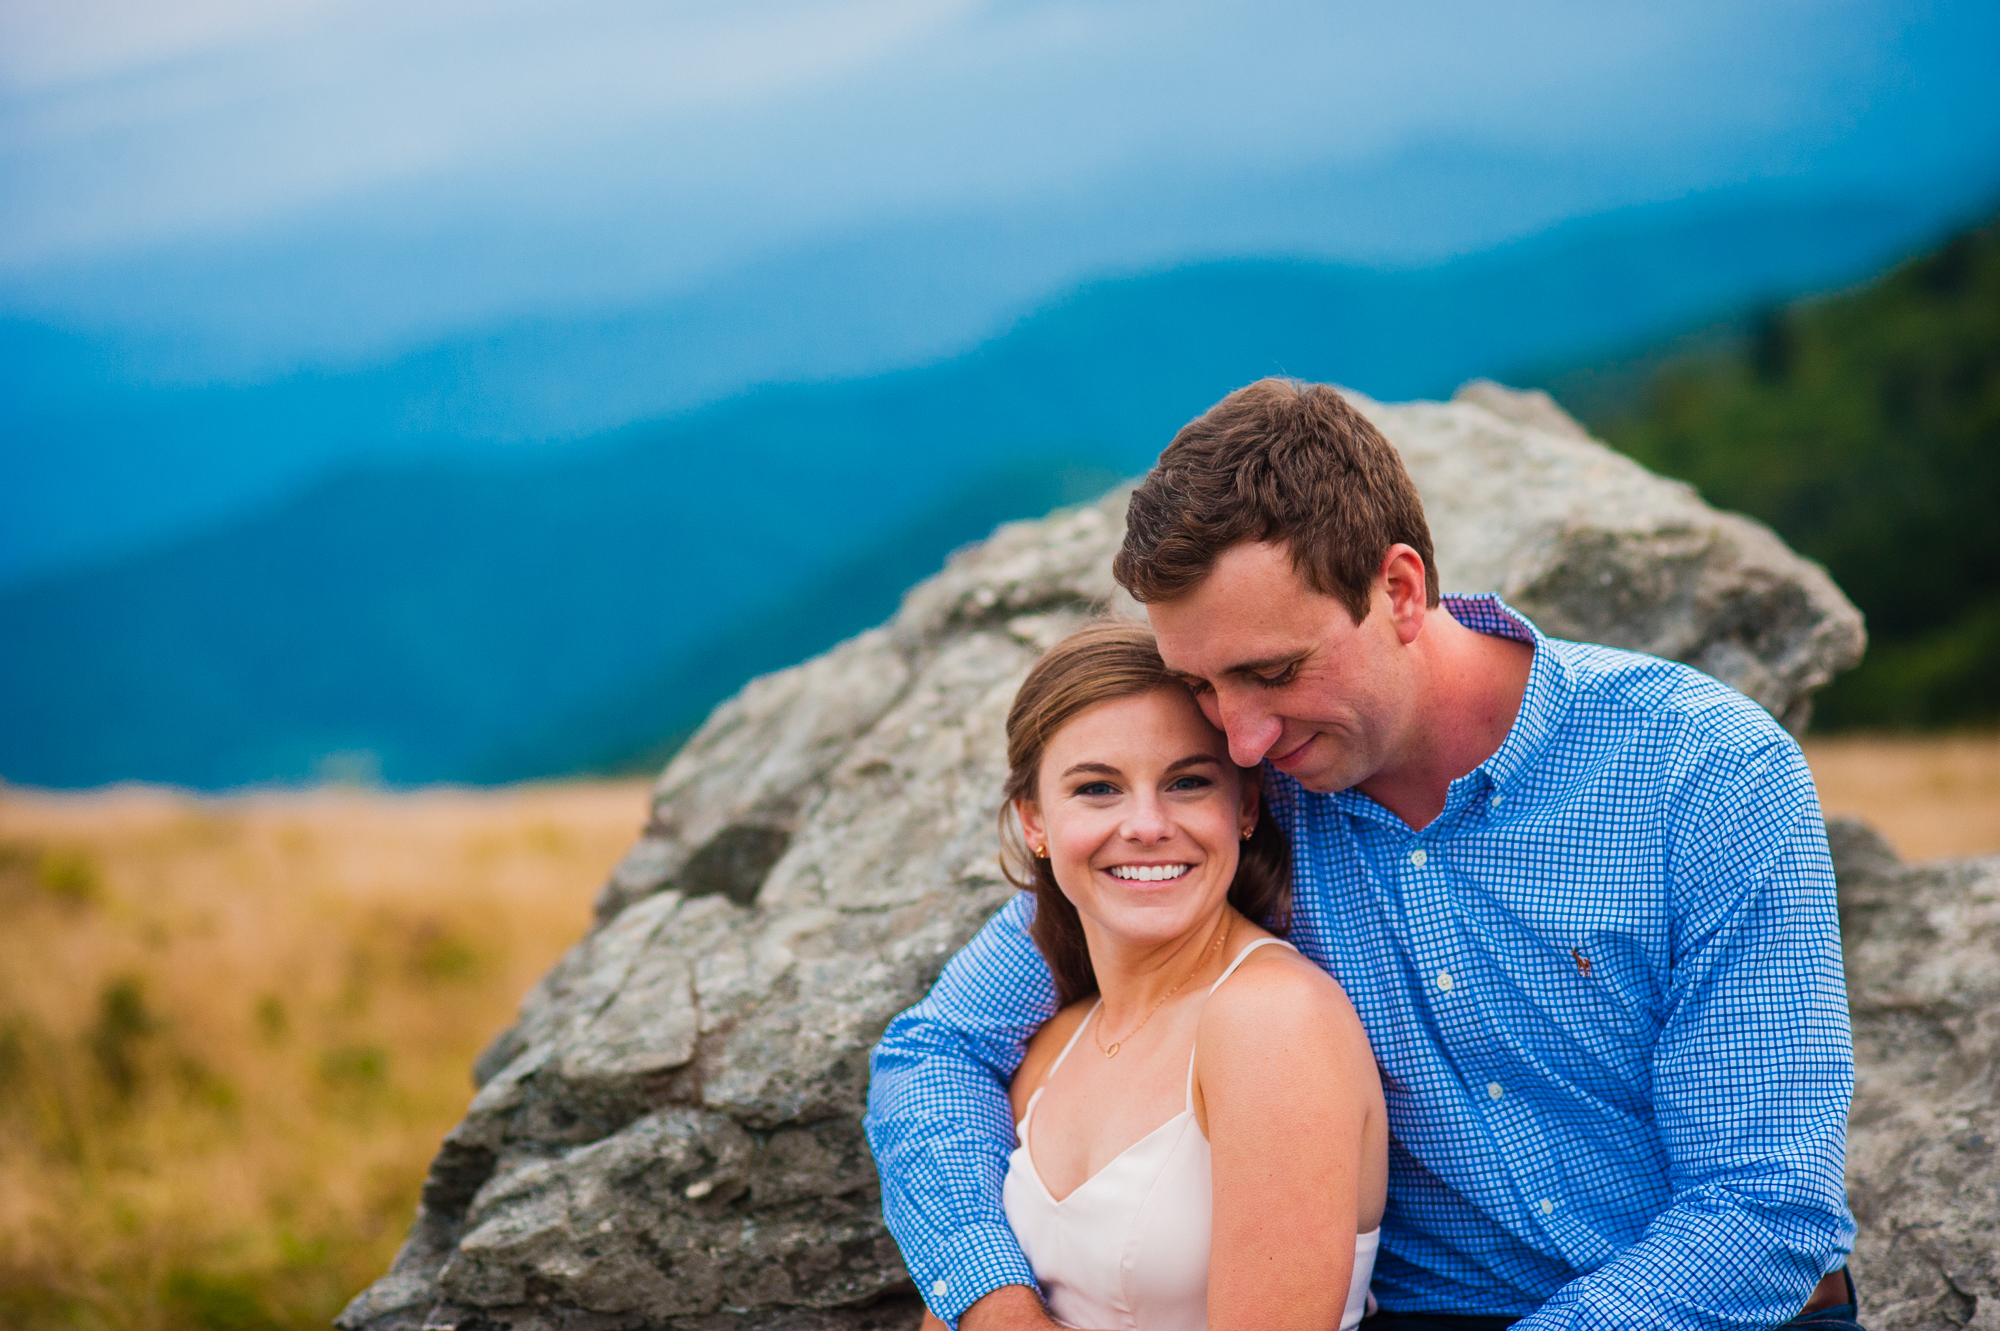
x,y
939,1120
1708,1263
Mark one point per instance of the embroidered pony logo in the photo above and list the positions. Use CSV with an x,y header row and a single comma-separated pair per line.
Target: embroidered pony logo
x,y
1582,962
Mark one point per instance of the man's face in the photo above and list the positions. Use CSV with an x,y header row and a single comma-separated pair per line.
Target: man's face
x,y
1285,671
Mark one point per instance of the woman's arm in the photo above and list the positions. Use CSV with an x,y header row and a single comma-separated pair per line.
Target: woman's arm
x,y
1287,1091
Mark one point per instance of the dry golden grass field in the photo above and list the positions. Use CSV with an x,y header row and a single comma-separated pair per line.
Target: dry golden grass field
x,y
1933,798
232,1030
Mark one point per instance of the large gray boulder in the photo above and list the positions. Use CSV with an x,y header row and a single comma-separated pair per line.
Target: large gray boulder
x,y
1923,1145
670,1137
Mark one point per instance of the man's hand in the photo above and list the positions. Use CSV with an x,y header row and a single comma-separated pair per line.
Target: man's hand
x,y
1009,1308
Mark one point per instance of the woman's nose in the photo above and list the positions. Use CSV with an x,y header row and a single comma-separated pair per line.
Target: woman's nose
x,y
1147,821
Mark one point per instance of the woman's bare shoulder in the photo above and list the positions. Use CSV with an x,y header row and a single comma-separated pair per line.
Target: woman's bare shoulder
x,y
1275,998
1044,1047
1279,1043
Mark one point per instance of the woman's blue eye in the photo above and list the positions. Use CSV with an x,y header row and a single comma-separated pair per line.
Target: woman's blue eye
x,y
1095,788
1190,783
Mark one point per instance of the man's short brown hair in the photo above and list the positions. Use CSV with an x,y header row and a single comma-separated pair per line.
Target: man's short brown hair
x,y
1279,461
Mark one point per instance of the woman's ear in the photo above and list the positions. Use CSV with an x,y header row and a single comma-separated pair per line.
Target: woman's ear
x,y
1030,815
1249,802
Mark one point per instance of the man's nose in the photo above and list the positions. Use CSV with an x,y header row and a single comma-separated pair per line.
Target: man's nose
x,y
1251,729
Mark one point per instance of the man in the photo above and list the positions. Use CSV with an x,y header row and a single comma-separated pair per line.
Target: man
x,y
1581,899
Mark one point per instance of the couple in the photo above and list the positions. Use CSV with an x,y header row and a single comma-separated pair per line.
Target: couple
x,y
1374,939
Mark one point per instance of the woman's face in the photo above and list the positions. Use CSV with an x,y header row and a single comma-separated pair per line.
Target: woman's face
x,y
1142,813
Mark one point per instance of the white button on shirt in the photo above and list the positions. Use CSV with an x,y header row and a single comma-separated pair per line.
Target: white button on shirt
x,y
1418,857
1444,981
1494,1090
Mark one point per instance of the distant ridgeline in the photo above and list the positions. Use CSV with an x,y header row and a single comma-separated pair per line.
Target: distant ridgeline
x,y
578,608
1865,428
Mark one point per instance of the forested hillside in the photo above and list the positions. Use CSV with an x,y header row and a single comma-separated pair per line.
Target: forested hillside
x,y
1865,427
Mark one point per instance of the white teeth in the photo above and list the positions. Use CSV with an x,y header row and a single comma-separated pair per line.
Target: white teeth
x,y
1148,873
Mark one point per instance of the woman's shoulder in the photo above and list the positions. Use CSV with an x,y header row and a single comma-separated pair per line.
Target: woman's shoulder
x,y
1274,993
1279,1038
1044,1047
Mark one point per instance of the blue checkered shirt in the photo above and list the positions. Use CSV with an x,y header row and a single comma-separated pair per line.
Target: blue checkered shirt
x,y
1604,989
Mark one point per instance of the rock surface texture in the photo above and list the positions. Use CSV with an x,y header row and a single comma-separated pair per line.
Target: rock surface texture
x,y
670,1137
1923,1147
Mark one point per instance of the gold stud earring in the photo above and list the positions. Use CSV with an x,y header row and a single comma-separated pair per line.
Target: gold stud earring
x,y
1041,852
1248,830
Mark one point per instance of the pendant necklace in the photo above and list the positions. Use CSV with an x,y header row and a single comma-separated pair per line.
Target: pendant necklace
x,y
1228,923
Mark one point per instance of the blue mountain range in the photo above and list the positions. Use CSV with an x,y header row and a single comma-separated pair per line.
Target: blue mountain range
x,y
512,612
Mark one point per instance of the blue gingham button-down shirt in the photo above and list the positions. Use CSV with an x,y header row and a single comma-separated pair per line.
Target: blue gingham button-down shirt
x,y
1603,987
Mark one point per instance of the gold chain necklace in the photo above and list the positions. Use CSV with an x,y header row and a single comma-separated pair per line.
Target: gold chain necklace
x,y
1228,923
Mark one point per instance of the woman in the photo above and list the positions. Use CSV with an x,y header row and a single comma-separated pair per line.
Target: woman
x,y
1202,1137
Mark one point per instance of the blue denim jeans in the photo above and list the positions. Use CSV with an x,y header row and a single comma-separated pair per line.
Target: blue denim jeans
x,y
1841,1317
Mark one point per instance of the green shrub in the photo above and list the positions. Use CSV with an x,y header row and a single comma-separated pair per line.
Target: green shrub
x,y
354,1067
207,1302
123,1025
69,875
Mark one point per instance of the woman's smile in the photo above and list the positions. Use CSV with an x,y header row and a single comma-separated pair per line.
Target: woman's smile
x,y
1148,873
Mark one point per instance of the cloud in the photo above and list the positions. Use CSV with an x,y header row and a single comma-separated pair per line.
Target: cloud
x,y
129,122
123,129
533,154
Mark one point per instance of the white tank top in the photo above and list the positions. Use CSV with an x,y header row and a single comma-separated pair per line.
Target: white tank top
x,y
1129,1247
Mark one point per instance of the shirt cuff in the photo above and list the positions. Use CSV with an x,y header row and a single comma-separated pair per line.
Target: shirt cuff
x,y
972,1264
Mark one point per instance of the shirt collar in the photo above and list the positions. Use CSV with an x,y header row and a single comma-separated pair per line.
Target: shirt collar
x,y
1543,702
1542,707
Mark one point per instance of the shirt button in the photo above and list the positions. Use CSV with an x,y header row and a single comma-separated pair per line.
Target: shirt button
x,y
940,1288
1494,803
1547,1206
1418,856
1494,1090
1444,981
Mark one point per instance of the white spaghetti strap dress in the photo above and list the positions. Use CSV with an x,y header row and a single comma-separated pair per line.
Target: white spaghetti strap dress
x,y
1129,1247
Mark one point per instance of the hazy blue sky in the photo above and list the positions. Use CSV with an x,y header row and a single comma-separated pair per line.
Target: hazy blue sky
x,y
251,182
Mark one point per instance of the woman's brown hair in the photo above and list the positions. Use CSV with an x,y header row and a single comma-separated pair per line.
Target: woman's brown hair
x,y
1113,658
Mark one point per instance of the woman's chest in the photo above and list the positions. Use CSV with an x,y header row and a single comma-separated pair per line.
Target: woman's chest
x,y
1096,1109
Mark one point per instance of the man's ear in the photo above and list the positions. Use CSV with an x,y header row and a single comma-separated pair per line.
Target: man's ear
x,y
1408,590
1030,815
